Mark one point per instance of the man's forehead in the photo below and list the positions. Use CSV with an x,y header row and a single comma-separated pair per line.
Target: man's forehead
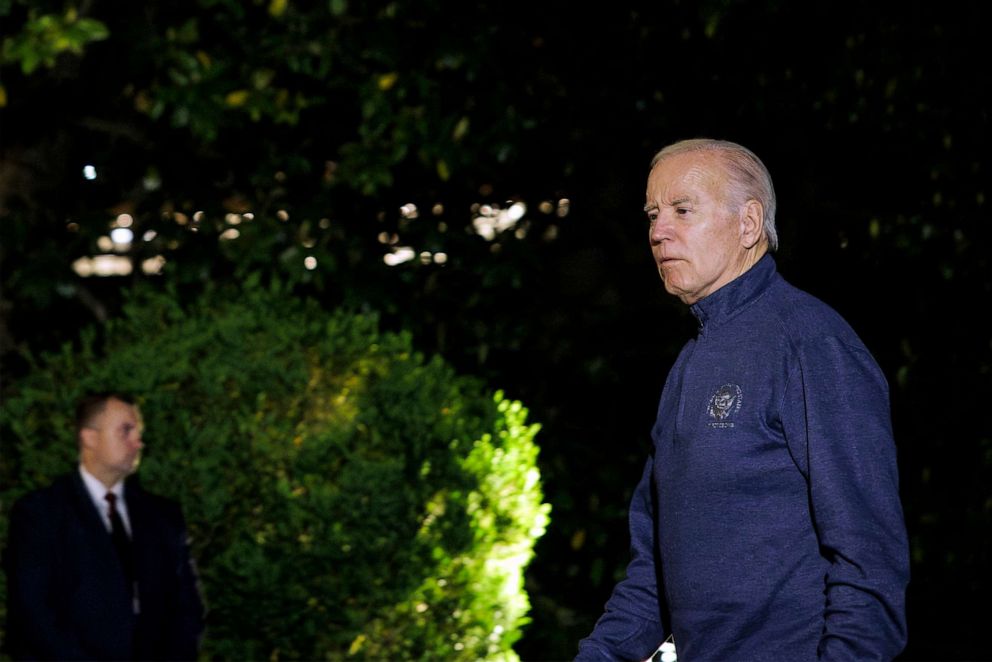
x,y
121,409
682,175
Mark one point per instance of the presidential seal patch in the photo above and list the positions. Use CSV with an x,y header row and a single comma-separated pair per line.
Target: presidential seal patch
x,y
724,403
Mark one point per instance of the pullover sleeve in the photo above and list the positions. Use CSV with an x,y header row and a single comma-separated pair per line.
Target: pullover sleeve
x,y
631,627
837,423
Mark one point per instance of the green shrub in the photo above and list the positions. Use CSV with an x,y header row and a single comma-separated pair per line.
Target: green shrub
x,y
347,498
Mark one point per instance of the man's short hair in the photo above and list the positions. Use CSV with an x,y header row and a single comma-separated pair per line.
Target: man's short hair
x,y
92,405
747,176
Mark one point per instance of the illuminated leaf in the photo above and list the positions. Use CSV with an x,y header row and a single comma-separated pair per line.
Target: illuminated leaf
x,y
236,98
386,81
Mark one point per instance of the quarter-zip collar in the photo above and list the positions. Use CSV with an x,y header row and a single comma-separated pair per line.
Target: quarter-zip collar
x,y
725,303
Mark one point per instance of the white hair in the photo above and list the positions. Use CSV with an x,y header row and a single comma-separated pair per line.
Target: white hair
x,y
747,176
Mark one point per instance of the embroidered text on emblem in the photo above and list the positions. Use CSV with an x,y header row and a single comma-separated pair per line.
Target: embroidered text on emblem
x,y
724,403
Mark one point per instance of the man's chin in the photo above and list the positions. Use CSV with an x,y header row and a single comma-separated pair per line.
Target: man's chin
x,y
672,289
688,298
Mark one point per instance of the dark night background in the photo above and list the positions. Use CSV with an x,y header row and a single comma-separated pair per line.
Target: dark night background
x,y
873,119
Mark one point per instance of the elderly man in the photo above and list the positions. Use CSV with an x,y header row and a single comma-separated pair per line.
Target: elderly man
x,y
97,568
767,523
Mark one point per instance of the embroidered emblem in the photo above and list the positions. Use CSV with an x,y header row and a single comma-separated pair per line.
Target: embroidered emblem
x,y
724,403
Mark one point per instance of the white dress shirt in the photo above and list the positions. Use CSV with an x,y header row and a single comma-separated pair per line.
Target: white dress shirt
x,y
98,492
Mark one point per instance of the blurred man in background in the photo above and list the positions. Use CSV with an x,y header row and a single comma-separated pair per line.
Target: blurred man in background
x,y
97,568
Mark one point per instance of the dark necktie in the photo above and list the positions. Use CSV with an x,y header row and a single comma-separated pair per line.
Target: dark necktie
x,y
121,541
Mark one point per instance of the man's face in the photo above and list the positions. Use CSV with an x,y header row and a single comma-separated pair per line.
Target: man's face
x,y
695,238
112,442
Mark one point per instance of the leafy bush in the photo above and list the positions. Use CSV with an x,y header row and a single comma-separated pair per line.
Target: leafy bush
x,y
347,498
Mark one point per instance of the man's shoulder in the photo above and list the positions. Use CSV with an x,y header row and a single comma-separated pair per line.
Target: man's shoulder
x,y
46,508
804,314
816,331
139,497
61,489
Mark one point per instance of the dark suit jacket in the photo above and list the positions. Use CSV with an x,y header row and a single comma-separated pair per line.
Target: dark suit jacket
x,y
67,596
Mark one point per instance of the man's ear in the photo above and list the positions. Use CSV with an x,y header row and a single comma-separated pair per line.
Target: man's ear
x,y
87,438
752,223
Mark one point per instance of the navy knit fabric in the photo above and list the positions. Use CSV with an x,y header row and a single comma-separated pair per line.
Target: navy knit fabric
x,y
767,524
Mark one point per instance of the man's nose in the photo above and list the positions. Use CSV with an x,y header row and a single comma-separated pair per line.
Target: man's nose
x,y
660,230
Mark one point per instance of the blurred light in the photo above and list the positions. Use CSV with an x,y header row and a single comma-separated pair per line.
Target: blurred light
x,y
551,233
153,265
399,256
102,265
409,210
309,242
124,220
181,218
248,216
233,219
425,257
546,207
121,236
437,209
516,211
89,172
563,207
485,227
310,262
197,216
151,182
105,243
148,236
324,223
83,267
72,226
442,227
383,237
282,215
229,234
492,220
440,258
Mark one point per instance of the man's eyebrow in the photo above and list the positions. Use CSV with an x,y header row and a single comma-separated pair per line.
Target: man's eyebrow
x,y
678,201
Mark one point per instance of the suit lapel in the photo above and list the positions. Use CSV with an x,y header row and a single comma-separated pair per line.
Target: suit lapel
x,y
135,510
86,511
103,554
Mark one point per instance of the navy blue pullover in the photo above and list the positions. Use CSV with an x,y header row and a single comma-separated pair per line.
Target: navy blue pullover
x,y
767,524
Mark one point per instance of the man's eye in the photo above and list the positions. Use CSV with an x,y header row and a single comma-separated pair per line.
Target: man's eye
x,y
681,211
